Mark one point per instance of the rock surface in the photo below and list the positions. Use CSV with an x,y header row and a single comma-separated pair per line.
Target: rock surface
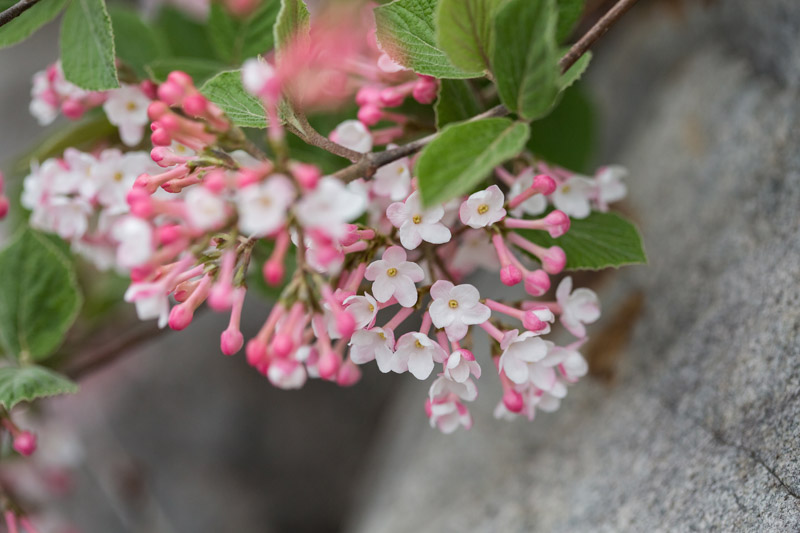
x,y
699,430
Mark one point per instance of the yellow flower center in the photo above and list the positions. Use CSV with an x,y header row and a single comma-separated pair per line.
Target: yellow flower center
x,y
381,335
416,219
371,308
482,209
400,171
392,272
130,106
453,304
265,201
118,177
566,188
418,344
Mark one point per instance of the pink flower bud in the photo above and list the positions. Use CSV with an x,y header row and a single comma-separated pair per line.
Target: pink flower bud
x,y
428,407
150,89
369,95
306,175
345,324
25,443
220,297
513,400
168,234
141,273
510,275
4,207
282,345
231,341
247,177
544,184
215,181
256,352
531,322
72,109
328,365
425,90
160,137
273,272
349,374
553,260
180,316
156,110
557,223
195,104
537,282
370,114
391,97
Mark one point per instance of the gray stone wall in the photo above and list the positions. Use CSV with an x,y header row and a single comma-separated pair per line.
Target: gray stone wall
x,y
698,431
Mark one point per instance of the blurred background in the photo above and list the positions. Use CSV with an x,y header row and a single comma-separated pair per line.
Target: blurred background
x,y
688,424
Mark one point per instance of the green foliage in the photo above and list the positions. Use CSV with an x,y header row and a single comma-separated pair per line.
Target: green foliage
x,y
226,90
184,36
569,12
27,383
575,72
456,102
566,136
87,46
464,31
22,27
135,41
40,297
292,18
525,56
464,154
599,241
406,31
236,39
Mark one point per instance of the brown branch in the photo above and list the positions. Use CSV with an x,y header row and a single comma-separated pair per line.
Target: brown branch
x,y
314,138
16,10
367,164
594,33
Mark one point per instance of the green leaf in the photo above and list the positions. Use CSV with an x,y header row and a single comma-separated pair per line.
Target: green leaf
x,y
463,154
293,18
226,90
22,27
456,102
575,72
599,241
135,41
525,56
236,39
28,383
199,69
464,31
185,37
40,297
87,46
566,136
569,12
406,31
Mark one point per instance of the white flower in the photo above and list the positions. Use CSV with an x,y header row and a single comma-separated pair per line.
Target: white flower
x,y
44,101
609,185
443,388
67,216
573,195
151,301
393,180
448,416
364,309
394,276
578,307
330,206
262,206
205,210
456,307
375,343
573,365
126,108
416,353
112,177
135,238
534,205
256,73
354,135
483,208
286,374
519,351
460,364
417,225
475,251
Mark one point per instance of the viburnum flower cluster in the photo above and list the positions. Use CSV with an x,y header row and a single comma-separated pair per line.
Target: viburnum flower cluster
x,y
380,274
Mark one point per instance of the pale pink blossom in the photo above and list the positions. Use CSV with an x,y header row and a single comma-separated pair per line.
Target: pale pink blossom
x,y
534,205
135,241
483,208
520,351
578,307
330,206
609,185
205,210
416,353
449,416
364,309
474,251
456,307
573,196
416,224
353,134
460,365
373,344
263,206
393,180
394,276
443,387
287,374
126,108
151,301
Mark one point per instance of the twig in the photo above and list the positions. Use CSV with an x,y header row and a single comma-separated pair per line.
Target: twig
x,y
596,31
314,138
16,10
366,165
